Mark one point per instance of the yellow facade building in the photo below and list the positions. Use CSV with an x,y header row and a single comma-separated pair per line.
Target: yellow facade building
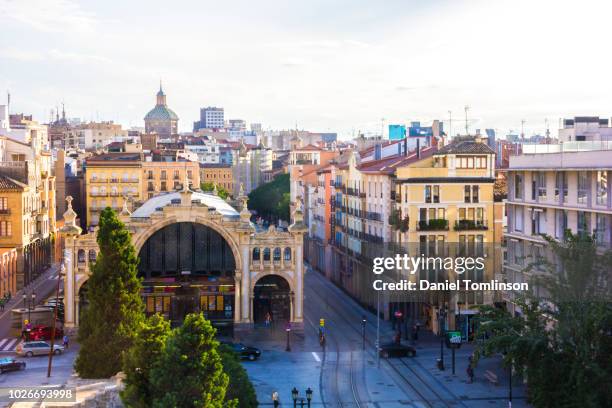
x,y
219,174
445,207
160,177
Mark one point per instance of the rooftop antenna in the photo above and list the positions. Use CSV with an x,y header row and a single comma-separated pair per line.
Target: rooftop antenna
x,y
467,126
8,101
547,128
522,129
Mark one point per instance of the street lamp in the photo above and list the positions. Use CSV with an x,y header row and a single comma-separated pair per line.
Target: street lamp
x,y
288,330
442,321
308,395
294,395
363,329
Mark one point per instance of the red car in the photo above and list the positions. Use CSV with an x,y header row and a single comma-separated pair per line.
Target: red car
x,y
40,333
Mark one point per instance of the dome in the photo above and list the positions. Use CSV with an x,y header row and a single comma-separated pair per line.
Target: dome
x,y
161,112
152,204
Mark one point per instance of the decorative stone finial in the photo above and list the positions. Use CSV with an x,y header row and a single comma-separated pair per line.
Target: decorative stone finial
x,y
241,190
70,226
125,210
215,191
298,217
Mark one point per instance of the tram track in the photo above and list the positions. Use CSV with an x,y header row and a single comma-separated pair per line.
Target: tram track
x,y
433,400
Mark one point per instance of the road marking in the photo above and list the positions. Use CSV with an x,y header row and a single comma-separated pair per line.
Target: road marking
x,y
8,344
316,357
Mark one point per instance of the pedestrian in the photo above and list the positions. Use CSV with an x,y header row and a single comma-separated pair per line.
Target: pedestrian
x,y
268,319
470,372
65,341
2,304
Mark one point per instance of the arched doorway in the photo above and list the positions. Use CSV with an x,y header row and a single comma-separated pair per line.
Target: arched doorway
x,y
272,295
188,267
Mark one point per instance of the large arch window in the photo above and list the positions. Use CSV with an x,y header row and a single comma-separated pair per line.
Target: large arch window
x,y
266,254
186,247
92,255
287,254
277,254
81,255
256,254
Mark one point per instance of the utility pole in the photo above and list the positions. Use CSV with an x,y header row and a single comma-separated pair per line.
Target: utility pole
x,y
51,349
467,126
522,129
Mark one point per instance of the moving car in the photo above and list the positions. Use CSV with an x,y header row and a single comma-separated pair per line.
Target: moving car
x,y
396,350
37,348
44,333
244,352
10,364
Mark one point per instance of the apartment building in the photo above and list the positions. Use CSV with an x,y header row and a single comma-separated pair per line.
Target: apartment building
x,y
219,174
93,135
551,189
166,173
445,207
111,179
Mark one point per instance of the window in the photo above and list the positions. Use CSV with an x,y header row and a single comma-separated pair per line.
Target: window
x,y
266,254
467,194
436,194
287,254
518,219
3,203
150,175
541,185
518,186
584,223
602,187
601,227
428,194
176,174
561,187
475,191
6,229
583,187
163,175
164,187
535,222
277,254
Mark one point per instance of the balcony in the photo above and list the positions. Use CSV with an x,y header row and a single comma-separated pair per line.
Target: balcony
x,y
466,225
5,211
98,194
98,180
437,224
373,216
373,239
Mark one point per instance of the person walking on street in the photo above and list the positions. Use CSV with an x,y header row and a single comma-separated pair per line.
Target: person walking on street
x,y
2,304
65,341
470,370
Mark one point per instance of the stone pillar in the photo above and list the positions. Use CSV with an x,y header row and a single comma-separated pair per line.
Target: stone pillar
x,y
246,286
299,282
237,298
69,285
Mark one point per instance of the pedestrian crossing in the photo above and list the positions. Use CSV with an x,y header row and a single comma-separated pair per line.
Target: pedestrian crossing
x,y
8,344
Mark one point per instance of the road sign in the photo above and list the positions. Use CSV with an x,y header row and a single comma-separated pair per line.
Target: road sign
x,y
322,322
453,339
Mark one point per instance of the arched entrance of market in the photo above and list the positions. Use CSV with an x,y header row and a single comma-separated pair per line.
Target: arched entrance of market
x,y
272,294
188,267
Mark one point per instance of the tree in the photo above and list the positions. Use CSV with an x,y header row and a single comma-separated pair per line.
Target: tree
x,y
144,355
240,387
563,340
109,324
189,372
208,186
271,200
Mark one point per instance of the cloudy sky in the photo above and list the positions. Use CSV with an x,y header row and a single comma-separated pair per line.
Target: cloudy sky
x,y
325,65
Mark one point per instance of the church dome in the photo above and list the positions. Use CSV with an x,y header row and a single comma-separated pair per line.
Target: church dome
x,y
161,112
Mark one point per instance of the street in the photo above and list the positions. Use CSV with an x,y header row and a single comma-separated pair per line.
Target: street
x,y
344,375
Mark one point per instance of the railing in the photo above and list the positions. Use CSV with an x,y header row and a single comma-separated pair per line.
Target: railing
x,y
93,194
302,161
464,225
437,224
373,239
129,180
373,216
98,180
580,146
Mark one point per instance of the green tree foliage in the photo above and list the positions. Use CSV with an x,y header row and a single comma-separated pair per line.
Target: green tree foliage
x,y
271,200
563,341
240,387
209,187
115,310
144,355
189,372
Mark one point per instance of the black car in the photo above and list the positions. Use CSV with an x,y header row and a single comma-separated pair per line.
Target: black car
x,y
244,352
396,350
10,364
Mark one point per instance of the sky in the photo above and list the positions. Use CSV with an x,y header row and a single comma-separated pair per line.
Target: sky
x,y
344,66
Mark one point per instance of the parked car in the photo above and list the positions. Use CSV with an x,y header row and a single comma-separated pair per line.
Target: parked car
x,y
244,352
10,364
37,348
44,333
396,350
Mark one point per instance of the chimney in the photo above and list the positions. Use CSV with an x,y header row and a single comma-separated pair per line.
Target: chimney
x,y
406,146
418,148
377,152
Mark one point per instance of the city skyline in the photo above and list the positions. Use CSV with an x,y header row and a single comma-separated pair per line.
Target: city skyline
x,y
337,68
